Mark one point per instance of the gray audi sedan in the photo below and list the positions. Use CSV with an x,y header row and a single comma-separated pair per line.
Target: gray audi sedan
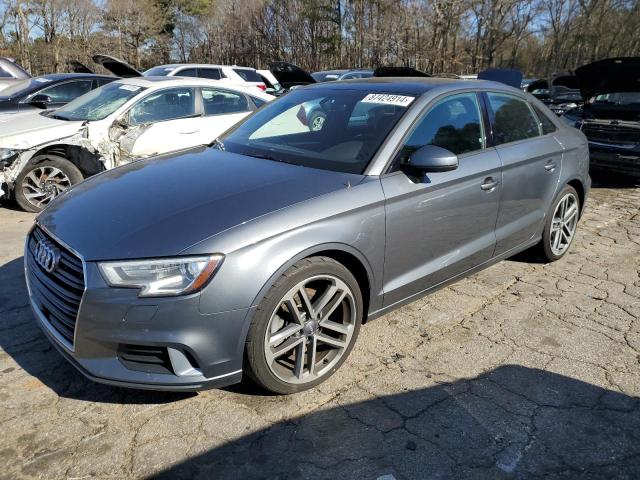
x,y
265,252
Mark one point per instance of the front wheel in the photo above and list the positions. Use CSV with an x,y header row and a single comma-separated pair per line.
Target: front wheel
x,y
560,227
305,327
42,179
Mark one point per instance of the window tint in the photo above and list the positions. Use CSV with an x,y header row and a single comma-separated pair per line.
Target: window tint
x,y
512,119
4,74
220,102
453,123
248,75
68,91
103,81
547,125
212,73
187,72
165,105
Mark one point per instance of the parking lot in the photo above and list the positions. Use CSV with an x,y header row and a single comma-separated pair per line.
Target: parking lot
x,y
524,370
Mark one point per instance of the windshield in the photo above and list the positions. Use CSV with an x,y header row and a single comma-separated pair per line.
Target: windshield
x,y
339,130
159,71
618,98
25,87
99,103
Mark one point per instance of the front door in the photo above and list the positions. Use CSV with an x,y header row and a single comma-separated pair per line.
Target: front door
x,y
443,224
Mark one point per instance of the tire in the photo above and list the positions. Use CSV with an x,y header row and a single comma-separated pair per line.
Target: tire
x,y
316,122
546,248
47,175
331,324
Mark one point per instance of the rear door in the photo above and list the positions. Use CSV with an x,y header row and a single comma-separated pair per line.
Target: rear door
x,y
531,162
222,108
441,225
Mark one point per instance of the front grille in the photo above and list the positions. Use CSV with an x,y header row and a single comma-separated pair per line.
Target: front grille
x,y
57,294
614,134
143,358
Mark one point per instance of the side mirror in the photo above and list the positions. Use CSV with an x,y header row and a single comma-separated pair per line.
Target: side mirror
x,y
40,100
431,158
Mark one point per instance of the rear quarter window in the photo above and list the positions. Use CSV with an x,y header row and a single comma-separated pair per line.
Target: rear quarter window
x,y
546,125
248,75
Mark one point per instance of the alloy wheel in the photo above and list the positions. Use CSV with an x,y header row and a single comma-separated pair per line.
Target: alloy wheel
x,y
310,330
563,224
43,184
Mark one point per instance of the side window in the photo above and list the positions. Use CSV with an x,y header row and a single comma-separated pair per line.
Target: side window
x,y
512,118
547,125
258,102
220,102
167,104
212,73
68,91
4,74
452,123
103,81
187,72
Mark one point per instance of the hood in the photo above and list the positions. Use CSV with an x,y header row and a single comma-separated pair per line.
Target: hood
x,y
290,75
398,72
513,78
116,66
24,130
609,76
537,85
159,207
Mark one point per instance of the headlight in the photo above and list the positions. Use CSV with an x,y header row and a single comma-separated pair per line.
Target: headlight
x,y
164,277
6,153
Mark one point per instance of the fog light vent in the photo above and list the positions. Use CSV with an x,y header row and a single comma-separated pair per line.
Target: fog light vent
x,y
144,358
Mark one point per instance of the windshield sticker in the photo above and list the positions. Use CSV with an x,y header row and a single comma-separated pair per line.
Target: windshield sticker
x,y
42,80
387,99
130,88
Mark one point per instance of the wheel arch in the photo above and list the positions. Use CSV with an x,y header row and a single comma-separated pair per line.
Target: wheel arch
x,y
344,254
87,162
580,189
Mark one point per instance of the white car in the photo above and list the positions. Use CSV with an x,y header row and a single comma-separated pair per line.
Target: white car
x,y
42,154
233,74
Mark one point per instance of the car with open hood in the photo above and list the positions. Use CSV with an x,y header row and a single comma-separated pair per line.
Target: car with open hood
x,y
11,72
561,93
264,253
42,154
610,113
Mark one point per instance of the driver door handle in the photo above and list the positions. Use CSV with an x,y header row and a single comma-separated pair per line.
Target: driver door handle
x,y
489,184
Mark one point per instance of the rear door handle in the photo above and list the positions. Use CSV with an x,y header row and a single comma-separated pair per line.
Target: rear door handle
x,y
489,184
550,166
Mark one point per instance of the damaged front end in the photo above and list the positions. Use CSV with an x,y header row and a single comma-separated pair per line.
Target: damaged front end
x,y
12,161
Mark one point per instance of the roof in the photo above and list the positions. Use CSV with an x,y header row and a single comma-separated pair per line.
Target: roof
x,y
199,65
66,76
408,85
177,81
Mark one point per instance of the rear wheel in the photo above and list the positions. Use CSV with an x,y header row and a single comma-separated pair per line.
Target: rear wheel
x,y
560,227
44,178
305,327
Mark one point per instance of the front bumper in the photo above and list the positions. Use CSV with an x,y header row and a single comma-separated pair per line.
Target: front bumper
x,y
198,351
624,161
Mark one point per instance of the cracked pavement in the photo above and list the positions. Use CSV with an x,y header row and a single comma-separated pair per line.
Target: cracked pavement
x,y
524,370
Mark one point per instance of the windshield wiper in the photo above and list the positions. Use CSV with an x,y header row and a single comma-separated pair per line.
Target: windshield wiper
x,y
266,156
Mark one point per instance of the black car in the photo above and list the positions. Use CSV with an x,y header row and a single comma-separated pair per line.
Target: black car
x,y
560,94
610,114
49,91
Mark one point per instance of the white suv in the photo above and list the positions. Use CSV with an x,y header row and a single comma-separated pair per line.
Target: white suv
x,y
245,76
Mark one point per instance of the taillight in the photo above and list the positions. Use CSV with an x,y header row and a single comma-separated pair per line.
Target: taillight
x,y
262,86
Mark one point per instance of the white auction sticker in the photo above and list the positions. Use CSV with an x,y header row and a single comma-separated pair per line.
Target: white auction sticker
x,y
130,88
388,99
42,80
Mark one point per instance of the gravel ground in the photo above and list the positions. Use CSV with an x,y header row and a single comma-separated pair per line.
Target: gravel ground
x,y
524,370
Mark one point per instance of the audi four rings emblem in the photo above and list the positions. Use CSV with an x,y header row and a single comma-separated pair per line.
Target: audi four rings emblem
x,y
46,255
